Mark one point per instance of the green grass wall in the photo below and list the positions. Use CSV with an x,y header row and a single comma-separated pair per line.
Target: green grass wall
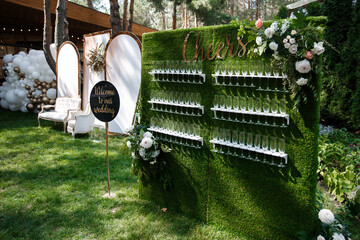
x,y
256,200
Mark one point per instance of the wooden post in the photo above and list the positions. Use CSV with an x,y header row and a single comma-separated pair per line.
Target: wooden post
x,y
107,157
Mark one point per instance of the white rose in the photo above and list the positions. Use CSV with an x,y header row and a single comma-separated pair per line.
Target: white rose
x,y
273,46
292,40
255,50
320,238
128,144
285,40
133,155
269,32
338,236
146,142
293,49
318,48
293,32
258,40
287,45
303,67
302,81
153,162
325,215
288,37
147,134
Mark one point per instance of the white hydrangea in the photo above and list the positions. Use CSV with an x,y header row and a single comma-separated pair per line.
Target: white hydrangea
x,y
275,25
146,142
258,41
285,26
302,81
273,46
142,152
269,32
338,236
303,67
326,216
155,154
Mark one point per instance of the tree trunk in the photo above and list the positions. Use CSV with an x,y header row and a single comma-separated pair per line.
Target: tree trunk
x,y
174,16
257,9
90,4
196,21
163,20
60,23
124,19
114,17
47,36
131,17
183,15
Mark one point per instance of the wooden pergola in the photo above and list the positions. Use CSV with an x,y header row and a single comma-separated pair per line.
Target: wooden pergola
x,y
21,23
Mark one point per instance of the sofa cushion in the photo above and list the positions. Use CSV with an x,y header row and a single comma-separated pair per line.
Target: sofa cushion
x,y
54,116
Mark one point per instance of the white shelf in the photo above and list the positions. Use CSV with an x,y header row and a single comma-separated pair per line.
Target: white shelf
x,y
252,149
178,105
202,75
244,76
277,115
179,135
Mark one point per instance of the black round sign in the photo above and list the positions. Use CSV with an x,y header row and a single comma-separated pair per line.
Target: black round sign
x,y
104,101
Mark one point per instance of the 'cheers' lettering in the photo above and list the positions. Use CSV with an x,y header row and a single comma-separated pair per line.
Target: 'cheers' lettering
x,y
199,54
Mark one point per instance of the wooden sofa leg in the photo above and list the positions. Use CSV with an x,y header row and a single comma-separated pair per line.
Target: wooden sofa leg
x,y
64,127
39,121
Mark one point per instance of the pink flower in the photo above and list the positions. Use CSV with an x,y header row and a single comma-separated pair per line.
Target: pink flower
x,y
258,23
309,55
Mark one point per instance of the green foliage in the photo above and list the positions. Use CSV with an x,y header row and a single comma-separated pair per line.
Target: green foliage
x,y
282,13
341,101
314,9
339,157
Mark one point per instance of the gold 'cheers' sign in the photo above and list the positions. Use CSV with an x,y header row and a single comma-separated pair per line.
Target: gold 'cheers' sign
x,y
222,49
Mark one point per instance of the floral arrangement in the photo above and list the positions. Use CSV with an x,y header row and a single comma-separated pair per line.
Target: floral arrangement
x,y
331,227
294,46
96,59
146,151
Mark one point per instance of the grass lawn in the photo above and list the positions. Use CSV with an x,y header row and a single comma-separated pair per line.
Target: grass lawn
x,y
51,187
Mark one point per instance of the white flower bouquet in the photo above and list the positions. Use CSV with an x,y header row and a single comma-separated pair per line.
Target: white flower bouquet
x,y
145,151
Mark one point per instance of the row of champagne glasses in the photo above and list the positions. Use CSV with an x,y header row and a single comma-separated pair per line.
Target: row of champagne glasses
x,y
174,78
169,66
250,68
174,127
182,98
261,157
249,140
251,104
189,110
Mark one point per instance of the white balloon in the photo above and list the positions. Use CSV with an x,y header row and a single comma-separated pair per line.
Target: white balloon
x,y
37,93
23,109
11,97
51,93
48,79
36,75
22,53
4,104
2,94
14,107
21,94
8,58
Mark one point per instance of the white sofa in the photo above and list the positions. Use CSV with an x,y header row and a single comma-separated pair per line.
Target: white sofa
x,y
81,122
62,109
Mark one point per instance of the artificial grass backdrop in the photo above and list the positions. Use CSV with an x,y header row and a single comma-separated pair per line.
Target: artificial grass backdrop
x,y
257,200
